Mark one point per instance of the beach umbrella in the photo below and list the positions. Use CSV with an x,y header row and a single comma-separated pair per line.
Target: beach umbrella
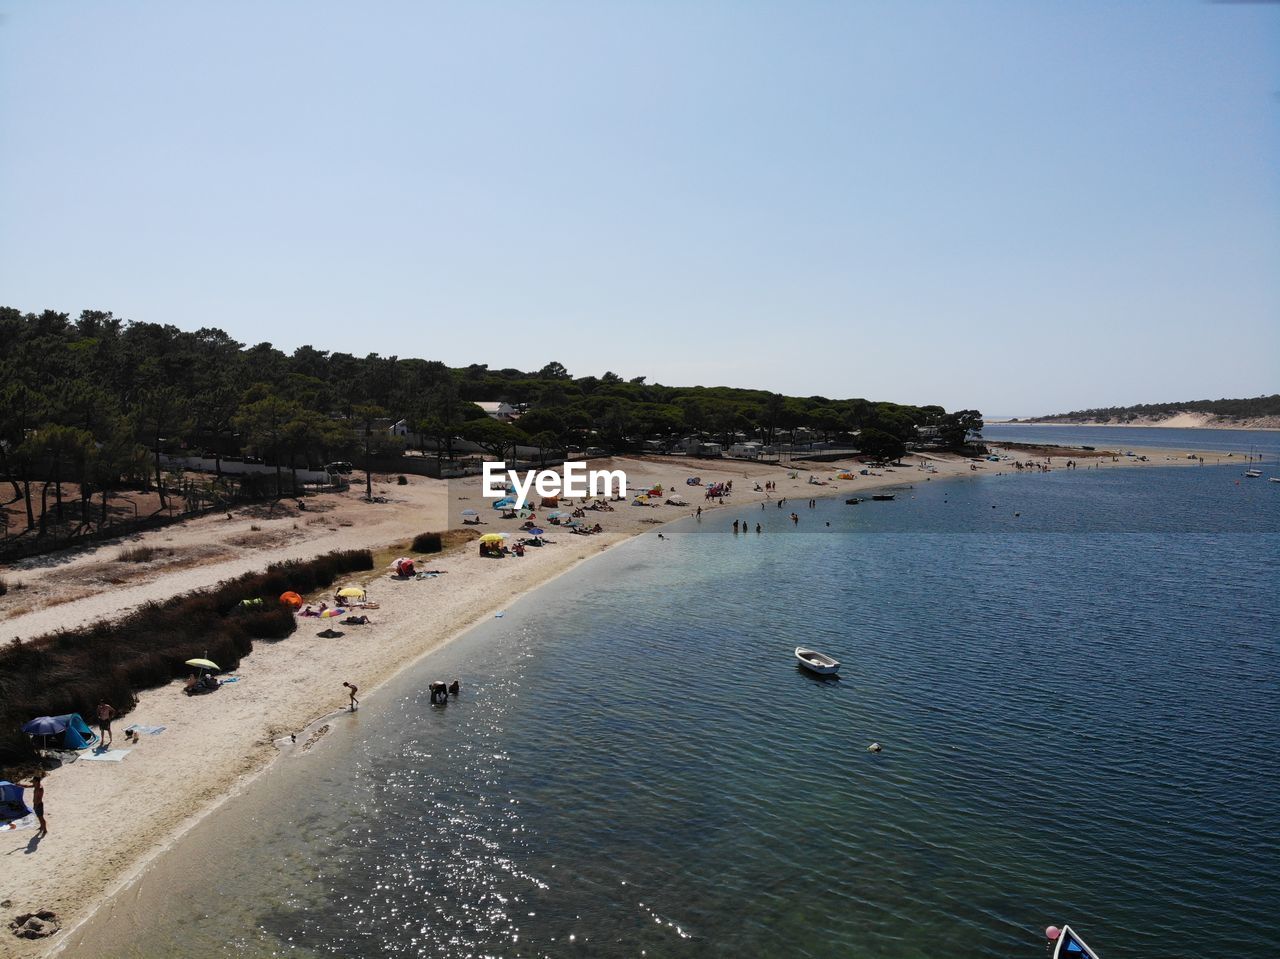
x,y
536,532
204,664
351,591
557,514
45,726
291,599
493,537
470,513
504,503
333,613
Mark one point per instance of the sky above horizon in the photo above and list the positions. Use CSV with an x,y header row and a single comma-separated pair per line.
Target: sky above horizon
x,y
1021,208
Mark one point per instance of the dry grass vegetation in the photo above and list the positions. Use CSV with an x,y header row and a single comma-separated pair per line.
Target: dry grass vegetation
x,y
70,671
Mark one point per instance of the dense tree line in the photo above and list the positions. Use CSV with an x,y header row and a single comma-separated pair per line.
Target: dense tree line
x,y
1235,409
94,401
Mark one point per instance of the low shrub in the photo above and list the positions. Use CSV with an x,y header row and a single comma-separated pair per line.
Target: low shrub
x,y
427,543
137,554
4,586
402,481
71,670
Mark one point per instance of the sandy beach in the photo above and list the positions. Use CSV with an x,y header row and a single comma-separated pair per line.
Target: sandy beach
x,y
108,820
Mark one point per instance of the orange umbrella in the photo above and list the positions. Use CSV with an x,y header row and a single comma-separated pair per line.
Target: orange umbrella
x,y
291,599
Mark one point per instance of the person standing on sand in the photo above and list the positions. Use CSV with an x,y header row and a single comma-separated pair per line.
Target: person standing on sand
x,y
37,800
351,691
106,713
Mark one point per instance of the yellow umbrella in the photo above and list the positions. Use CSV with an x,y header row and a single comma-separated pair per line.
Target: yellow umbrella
x,y
492,538
351,591
203,663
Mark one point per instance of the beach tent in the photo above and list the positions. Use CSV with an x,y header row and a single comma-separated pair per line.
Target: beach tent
x,y
62,732
551,501
291,599
12,805
403,566
505,503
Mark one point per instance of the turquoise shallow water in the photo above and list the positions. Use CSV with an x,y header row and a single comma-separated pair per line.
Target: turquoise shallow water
x,y
1077,706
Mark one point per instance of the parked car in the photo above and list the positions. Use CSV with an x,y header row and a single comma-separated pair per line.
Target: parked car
x,y
340,467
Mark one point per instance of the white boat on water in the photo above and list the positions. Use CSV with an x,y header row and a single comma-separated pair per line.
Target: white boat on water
x,y
1253,474
1071,946
817,662
1273,479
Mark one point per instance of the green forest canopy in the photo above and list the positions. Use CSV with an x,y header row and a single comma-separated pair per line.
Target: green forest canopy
x,y
95,399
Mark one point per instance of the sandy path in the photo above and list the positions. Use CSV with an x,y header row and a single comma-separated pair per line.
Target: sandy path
x,y
345,522
107,819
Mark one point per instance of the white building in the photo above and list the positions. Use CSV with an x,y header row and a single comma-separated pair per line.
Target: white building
x,y
499,410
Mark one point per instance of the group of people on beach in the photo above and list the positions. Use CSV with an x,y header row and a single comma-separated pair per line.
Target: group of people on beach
x,y
106,713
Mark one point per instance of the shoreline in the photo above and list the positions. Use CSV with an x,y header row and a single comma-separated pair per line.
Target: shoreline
x,y
1165,424
97,870
283,751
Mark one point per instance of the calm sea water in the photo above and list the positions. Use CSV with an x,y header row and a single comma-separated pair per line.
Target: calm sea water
x,y
1078,709
1239,442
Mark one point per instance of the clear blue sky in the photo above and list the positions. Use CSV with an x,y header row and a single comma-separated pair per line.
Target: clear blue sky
x,y
1023,207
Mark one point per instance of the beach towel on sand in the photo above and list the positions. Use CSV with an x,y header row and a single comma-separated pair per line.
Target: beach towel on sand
x,y
147,730
110,756
26,822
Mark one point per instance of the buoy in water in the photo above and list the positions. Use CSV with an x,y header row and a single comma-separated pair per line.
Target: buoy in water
x,y
1052,933
874,748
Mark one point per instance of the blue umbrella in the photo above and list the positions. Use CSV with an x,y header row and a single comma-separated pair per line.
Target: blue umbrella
x,y
504,503
45,726
536,532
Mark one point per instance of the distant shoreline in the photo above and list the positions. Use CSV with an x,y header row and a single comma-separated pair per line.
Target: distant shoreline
x,y
1165,424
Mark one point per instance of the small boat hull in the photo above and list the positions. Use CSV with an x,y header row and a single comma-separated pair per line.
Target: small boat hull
x,y
1071,946
816,662
882,497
